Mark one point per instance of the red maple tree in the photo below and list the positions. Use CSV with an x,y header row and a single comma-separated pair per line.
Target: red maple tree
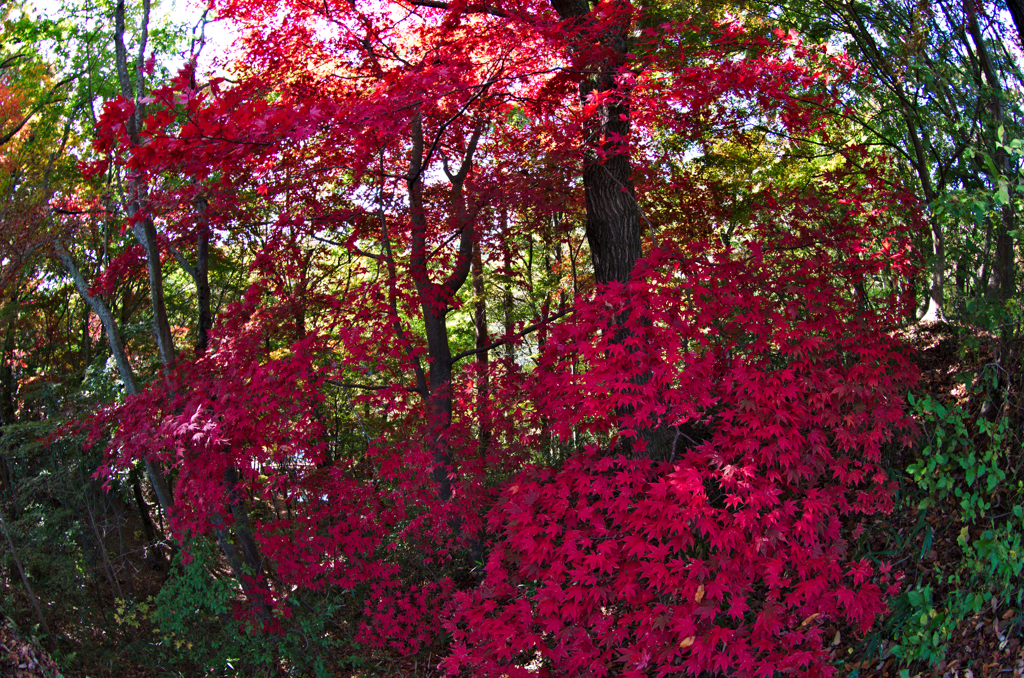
x,y
371,159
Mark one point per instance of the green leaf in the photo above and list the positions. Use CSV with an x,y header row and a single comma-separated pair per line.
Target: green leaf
x,y
1003,194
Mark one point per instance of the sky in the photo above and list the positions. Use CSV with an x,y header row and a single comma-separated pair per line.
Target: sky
x,y
219,36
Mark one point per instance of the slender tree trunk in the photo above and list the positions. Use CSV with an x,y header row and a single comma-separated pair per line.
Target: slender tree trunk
x,y
124,368
482,358
148,528
7,415
7,383
436,298
86,341
108,570
1002,284
119,520
249,564
205,323
507,300
145,233
24,579
243,528
917,153
142,227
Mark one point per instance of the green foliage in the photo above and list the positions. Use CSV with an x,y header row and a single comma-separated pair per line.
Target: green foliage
x,y
922,631
966,463
192,602
48,530
198,630
951,463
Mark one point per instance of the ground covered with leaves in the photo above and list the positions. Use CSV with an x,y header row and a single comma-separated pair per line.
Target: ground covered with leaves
x,y
960,614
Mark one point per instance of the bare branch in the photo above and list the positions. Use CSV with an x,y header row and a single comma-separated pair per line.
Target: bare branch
x,y
522,333
471,8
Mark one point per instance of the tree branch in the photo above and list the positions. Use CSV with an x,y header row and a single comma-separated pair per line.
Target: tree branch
x,y
183,262
472,8
522,333
370,387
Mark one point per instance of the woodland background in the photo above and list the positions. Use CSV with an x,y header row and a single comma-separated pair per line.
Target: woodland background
x,y
518,338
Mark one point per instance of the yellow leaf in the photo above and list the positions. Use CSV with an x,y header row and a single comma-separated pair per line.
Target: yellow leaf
x,y
810,619
700,593
687,641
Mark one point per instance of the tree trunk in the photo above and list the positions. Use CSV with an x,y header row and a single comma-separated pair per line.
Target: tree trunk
x,y
24,579
205,323
124,368
145,233
613,214
148,527
481,339
436,299
1002,284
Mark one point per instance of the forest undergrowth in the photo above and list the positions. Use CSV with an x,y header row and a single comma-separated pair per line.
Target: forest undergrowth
x,y
954,533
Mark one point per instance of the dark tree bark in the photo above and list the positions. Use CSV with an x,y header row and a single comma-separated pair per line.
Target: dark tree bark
x,y
1016,8
507,300
7,416
613,226
1003,280
481,341
148,527
205,323
436,298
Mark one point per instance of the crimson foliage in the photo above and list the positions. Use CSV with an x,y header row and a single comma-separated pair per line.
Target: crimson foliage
x,y
736,397
775,390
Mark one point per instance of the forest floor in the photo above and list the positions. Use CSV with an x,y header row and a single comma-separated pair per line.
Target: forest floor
x,y
984,645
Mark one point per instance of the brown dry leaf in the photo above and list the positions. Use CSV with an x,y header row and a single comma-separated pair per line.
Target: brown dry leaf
x,y
810,619
687,641
700,593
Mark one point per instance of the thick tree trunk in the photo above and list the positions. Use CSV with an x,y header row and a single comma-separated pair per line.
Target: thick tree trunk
x,y
613,218
613,227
